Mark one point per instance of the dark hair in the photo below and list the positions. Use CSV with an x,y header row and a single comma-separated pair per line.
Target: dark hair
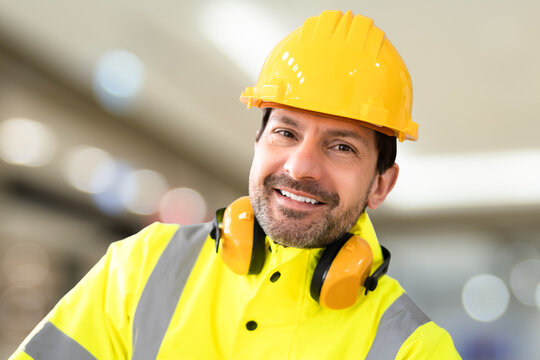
x,y
386,145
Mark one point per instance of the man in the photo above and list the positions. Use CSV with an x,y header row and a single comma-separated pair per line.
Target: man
x,y
295,270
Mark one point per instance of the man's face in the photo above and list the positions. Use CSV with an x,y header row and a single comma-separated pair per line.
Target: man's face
x,y
312,176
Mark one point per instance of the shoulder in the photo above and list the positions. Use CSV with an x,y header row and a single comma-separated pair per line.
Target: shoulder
x,y
404,331
153,236
429,341
138,254
129,262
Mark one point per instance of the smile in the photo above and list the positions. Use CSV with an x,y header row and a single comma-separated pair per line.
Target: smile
x,y
299,198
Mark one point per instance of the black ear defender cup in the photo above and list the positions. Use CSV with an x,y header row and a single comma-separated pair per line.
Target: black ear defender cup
x,y
239,238
215,233
259,244
343,267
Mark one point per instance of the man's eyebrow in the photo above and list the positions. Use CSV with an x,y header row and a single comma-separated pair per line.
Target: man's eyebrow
x,y
287,120
347,134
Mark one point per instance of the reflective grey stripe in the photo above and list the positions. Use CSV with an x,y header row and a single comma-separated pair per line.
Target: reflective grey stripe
x,y
163,289
50,343
398,322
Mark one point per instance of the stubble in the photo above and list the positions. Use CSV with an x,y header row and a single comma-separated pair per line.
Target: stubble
x,y
302,229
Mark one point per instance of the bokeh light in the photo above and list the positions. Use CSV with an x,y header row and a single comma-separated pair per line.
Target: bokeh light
x,y
224,25
118,77
485,297
182,206
26,142
524,279
26,265
110,199
142,191
84,166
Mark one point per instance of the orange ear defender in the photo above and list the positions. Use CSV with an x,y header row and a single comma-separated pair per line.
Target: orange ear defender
x,y
242,246
343,267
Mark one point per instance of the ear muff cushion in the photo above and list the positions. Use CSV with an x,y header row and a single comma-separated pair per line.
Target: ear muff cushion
x,y
237,236
319,274
344,269
243,239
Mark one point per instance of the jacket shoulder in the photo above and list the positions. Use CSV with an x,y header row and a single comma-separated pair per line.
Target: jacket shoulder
x,y
404,331
154,235
429,341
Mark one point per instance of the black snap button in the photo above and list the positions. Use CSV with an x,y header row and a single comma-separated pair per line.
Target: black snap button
x,y
275,276
251,325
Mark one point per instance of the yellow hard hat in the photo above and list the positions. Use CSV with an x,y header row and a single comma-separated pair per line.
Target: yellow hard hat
x,y
339,65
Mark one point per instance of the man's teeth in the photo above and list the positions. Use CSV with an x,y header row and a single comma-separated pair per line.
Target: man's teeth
x,y
298,198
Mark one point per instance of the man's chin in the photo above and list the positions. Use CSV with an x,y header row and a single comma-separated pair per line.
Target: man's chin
x,y
297,235
301,242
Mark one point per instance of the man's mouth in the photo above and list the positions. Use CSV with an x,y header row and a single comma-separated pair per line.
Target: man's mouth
x,y
309,193
298,198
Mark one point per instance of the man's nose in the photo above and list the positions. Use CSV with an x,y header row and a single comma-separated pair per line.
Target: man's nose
x,y
305,161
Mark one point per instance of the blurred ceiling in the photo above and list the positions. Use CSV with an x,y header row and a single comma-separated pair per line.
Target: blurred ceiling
x,y
474,66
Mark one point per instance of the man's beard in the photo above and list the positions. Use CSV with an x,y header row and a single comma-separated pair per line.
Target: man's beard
x,y
296,230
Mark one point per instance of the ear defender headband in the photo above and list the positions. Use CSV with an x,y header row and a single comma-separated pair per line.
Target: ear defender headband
x,y
343,267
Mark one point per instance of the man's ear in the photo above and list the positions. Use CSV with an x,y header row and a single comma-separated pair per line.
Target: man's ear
x,y
381,187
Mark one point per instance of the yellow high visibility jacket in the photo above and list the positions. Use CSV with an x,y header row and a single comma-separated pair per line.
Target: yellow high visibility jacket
x,y
164,293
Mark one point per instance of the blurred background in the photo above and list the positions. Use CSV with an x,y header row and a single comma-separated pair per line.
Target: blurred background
x,y
116,114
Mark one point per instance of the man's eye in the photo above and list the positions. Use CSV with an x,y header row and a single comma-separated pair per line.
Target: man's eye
x,y
343,147
286,133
